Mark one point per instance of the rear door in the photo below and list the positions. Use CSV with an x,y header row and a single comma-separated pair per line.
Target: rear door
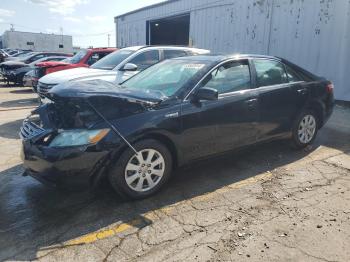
x,y
216,126
276,105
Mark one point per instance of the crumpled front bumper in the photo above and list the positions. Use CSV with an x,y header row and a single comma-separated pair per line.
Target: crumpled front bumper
x,y
65,167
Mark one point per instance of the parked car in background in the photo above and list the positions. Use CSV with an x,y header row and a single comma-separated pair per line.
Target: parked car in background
x,y
16,75
84,58
175,112
4,56
9,66
118,66
18,56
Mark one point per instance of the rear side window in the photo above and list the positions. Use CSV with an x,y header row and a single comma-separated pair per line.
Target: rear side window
x,y
168,54
146,59
269,73
292,75
230,77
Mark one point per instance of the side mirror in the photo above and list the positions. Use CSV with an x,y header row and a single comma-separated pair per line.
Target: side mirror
x,y
206,93
130,67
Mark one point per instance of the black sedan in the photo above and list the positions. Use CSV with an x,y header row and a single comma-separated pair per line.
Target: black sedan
x,y
175,112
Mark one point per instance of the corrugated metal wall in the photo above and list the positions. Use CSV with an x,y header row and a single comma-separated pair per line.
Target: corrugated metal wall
x,y
312,33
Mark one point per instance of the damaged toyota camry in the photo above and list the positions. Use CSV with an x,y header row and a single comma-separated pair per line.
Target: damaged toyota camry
x,y
174,112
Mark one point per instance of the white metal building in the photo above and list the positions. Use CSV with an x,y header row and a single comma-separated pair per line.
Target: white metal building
x,y
37,41
314,34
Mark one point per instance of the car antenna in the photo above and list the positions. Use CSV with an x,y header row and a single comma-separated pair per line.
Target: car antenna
x,y
112,126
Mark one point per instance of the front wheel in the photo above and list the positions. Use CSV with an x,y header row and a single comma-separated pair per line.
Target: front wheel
x,y
140,175
305,129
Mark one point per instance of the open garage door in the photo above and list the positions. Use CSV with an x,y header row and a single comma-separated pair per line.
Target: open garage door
x,y
169,31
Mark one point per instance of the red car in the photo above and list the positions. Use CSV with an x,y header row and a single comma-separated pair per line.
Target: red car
x,y
84,58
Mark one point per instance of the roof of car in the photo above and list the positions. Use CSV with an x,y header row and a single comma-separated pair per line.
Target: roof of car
x,y
103,49
223,57
136,48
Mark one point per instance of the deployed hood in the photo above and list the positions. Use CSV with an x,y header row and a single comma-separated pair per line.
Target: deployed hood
x,y
73,74
81,104
99,88
52,64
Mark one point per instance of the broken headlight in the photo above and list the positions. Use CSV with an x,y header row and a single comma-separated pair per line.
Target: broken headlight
x,y
78,137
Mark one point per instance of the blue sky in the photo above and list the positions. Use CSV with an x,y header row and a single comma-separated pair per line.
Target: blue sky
x,y
88,21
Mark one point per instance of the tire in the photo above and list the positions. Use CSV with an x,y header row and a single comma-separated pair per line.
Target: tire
x,y
305,129
141,171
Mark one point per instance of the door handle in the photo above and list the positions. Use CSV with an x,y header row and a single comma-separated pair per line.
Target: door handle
x,y
302,91
251,102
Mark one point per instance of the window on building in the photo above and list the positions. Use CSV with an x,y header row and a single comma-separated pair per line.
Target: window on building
x,y
30,43
269,72
60,46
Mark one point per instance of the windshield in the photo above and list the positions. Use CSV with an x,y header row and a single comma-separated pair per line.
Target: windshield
x,y
78,56
165,78
112,60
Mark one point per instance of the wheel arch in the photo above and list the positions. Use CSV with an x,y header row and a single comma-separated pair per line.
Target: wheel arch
x,y
165,140
318,108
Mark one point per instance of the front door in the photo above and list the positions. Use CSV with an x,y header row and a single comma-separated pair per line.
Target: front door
x,y
211,127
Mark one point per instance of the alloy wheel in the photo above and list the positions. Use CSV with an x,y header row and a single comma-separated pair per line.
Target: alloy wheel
x,y
144,170
307,129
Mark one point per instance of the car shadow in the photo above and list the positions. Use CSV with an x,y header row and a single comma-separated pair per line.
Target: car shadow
x,y
39,216
10,130
27,90
26,102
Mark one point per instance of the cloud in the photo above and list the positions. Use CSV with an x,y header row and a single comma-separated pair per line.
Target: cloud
x,y
6,13
72,19
62,7
96,18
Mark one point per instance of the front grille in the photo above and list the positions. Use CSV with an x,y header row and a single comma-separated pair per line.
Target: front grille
x,y
30,130
44,88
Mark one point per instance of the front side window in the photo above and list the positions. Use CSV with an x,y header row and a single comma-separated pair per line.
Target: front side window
x,y
230,77
166,78
145,59
269,73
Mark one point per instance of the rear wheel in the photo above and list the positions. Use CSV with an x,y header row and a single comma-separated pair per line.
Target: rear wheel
x,y
143,174
305,129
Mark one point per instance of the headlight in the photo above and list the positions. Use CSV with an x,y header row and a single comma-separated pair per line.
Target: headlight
x,y
78,137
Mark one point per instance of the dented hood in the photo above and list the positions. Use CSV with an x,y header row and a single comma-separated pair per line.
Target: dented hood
x,y
98,88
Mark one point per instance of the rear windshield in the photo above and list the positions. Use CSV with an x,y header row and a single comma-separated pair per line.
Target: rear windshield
x,y
110,61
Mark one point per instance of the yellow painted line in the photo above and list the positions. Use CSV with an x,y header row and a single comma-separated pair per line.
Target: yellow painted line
x,y
152,216
104,233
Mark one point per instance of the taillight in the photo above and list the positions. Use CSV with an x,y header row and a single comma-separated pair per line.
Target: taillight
x,y
330,88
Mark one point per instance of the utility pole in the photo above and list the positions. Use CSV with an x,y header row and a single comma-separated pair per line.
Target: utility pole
x,y
61,31
109,36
